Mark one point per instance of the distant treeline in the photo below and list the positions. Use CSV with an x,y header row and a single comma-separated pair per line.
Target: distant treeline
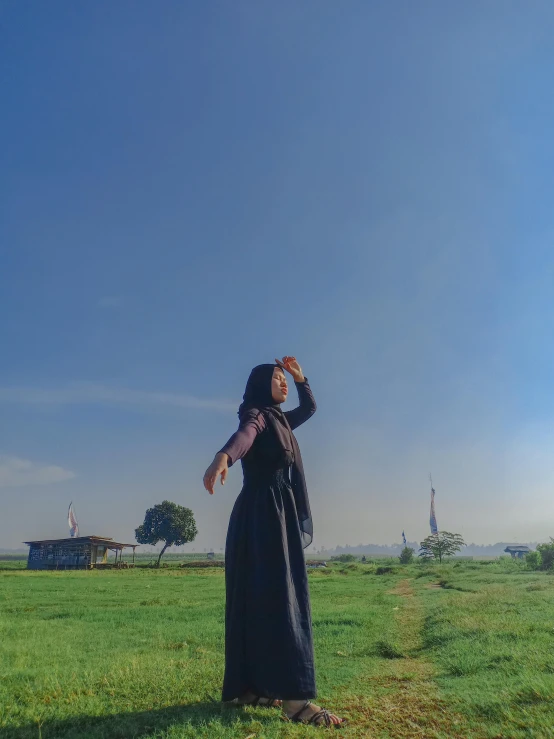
x,y
392,550
15,552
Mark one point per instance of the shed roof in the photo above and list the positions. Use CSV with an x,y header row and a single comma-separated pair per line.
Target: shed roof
x,y
103,540
517,548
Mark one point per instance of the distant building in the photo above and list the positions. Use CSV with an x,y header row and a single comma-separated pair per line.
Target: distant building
x,y
77,553
517,551
211,555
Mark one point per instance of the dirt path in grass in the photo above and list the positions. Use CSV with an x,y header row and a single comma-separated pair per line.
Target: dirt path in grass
x,y
403,700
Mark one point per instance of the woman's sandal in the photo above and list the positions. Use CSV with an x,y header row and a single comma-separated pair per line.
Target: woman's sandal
x,y
321,718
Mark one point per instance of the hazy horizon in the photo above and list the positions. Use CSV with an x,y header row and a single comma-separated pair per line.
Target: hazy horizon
x,y
393,548
191,190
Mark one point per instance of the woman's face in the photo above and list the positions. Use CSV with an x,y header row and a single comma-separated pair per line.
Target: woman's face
x,y
279,389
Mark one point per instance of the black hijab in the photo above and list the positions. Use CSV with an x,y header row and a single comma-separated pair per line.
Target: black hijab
x,y
258,395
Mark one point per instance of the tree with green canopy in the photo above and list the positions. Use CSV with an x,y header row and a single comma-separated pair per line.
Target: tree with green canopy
x,y
439,545
168,522
546,555
406,555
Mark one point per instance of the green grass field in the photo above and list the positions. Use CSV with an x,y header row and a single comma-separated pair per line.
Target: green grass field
x,y
465,649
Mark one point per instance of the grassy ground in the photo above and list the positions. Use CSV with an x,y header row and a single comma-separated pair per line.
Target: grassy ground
x,y
458,650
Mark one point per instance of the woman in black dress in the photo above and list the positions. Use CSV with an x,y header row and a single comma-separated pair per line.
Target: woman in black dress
x,y
268,629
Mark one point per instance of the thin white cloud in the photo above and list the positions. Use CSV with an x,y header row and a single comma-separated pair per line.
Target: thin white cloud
x,y
110,301
88,393
16,472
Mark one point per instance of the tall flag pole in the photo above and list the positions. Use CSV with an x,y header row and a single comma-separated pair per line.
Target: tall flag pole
x,y
404,538
72,521
432,517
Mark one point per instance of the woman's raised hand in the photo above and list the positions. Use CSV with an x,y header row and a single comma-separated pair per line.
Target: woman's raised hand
x,y
217,467
292,367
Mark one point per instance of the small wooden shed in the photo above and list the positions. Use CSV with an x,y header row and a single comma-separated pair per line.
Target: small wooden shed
x,y
517,551
77,553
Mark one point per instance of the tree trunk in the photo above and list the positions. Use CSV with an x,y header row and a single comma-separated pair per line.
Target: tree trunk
x,y
161,553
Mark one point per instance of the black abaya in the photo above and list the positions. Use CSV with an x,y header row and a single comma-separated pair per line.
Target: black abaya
x,y
268,630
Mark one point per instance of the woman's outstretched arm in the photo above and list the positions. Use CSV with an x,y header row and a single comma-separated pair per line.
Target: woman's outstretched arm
x,y
252,424
239,444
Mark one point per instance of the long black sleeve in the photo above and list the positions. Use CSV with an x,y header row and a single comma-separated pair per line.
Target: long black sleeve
x,y
307,406
241,441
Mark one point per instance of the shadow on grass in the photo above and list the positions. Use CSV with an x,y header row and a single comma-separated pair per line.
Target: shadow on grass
x,y
139,724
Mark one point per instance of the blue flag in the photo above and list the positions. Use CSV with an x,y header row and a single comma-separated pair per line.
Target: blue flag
x,y
404,538
432,517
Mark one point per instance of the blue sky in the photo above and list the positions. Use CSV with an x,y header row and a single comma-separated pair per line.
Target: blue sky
x,y
190,189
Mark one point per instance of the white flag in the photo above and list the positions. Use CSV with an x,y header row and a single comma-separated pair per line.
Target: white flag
x,y
72,521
